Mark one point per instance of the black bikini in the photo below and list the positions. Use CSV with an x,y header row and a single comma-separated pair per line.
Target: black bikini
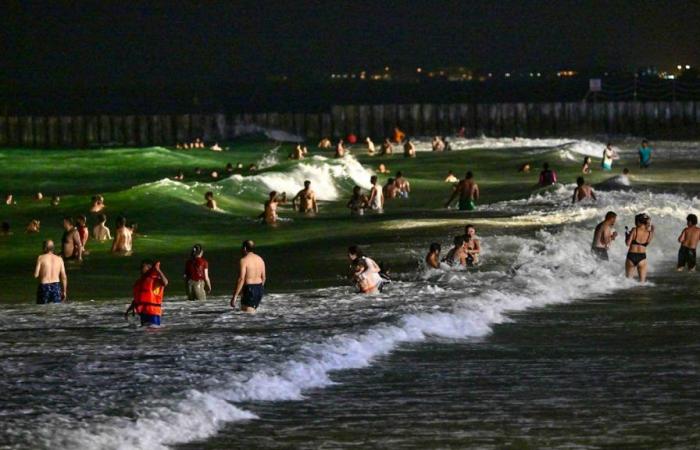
x,y
634,257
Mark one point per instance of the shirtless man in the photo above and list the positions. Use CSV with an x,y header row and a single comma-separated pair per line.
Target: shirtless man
x,y
402,185
53,282
468,192
457,254
409,150
325,144
307,200
376,196
687,254
298,153
269,215
100,232
122,237
390,189
209,201
472,245
387,147
72,247
432,259
438,144
451,178
603,236
98,204
582,191
251,279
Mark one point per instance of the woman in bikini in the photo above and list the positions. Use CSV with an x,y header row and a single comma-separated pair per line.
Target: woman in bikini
x,y
637,240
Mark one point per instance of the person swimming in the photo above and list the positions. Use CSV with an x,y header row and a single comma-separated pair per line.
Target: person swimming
x,y
34,226
472,246
209,201
582,191
457,254
637,241
98,204
432,259
451,178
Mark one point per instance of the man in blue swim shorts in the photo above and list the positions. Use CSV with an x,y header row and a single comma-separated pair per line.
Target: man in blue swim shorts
x,y
251,279
51,273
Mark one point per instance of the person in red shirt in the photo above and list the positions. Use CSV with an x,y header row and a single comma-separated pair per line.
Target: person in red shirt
x,y
197,275
83,231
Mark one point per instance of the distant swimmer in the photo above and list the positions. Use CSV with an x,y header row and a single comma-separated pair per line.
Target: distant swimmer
x,y
457,254
209,201
387,148
269,214
179,176
251,279
123,237
472,246
586,167
438,144
216,147
55,200
72,247
402,185
376,196
100,232
339,149
447,144
390,189
645,154
366,273
51,273
38,197
432,259
214,174
358,202
409,150
297,153
149,290
325,144
604,235
582,191
307,200
33,227
468,192
382,168
547,177
524,168
370,146
229,168
83,232
197,283
9,199
451,178
687,254
608,157
98,204
398,135
637,241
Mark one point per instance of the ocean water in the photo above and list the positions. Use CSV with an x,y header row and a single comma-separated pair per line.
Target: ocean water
x,y
541,346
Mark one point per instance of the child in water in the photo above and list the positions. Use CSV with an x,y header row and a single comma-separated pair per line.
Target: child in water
x,y
432,259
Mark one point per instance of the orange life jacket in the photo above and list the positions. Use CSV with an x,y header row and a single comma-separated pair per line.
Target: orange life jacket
x,y
148,294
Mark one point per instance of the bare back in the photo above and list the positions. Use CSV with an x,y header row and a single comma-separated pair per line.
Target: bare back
x,y
252,269
49,268
690,237
122,240
468,190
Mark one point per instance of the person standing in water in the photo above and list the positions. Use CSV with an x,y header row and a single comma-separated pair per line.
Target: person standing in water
x,y
149,290
582,191
366,272
122,237
72,246
637,241
645,154
51,273
409,150
269,215
472,246
251,279
376,196
547,177
608,156
468,192
387,148
209,201
432,259
83,232
402,185
339,149
457,254
603,236
687,254
357,202
100,232
307,200
196,275
370,146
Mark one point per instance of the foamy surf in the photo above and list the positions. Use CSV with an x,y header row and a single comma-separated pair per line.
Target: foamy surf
x,y
520,272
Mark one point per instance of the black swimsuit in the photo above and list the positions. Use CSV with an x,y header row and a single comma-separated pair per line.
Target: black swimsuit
x,y
635,257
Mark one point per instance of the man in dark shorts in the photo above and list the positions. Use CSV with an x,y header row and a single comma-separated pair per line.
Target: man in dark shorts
x,y
51,273
251,279
687,254
603,236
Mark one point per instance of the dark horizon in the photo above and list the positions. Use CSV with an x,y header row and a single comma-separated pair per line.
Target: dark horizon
x,y
166,44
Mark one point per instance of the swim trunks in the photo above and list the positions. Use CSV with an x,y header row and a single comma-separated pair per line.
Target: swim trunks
x,y
48,293
403,194
600,253
607,165
149,320
636,258
252,295
467,205
687,256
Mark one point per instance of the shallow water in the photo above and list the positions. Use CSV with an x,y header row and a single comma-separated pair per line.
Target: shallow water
x,y
327,366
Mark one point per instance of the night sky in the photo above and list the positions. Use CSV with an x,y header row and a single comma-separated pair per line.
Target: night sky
x,y
182,42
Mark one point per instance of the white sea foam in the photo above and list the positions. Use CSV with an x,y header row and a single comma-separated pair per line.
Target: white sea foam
x,y
546,268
